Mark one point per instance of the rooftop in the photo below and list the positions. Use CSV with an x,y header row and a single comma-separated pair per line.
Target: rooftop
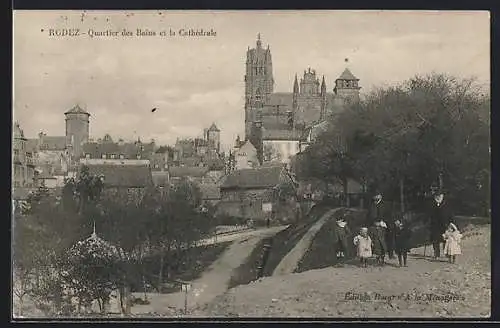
x,y
53,143
213,127
187,171
124,176
347,75
77,110
257,178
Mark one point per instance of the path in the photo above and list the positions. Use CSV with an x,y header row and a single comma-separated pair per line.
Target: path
x,y
213,282
239,235
291,260
427,288
226,237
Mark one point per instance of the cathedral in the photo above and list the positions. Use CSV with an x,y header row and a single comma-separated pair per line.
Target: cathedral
x,y
277,123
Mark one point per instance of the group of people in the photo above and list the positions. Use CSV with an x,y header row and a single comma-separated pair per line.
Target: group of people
x,y
383,236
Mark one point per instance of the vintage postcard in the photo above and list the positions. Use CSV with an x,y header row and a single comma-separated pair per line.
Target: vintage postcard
x,y
288,164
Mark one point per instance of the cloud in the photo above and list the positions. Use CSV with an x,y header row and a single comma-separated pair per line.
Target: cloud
x,y
196,81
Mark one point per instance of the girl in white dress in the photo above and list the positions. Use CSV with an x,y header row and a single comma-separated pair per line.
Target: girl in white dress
x,y
363,244
452,246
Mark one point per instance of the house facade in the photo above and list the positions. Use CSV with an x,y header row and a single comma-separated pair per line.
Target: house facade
x,y
130,181
23,160
246,156
253,194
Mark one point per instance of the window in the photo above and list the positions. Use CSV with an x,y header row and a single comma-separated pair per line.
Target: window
x,y
103,156
112,156
157,166
121,156
87,155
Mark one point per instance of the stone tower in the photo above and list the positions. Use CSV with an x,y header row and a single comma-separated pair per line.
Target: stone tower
x,y
346,86
259,82
77,129
213,137
323,100
309,84
309,100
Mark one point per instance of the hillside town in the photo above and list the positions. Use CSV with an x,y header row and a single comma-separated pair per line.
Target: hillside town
x,y
278,126
330,202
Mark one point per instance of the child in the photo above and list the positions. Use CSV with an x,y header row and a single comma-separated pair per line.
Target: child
x,y
402,237
341,234
452,246
378,239
363,244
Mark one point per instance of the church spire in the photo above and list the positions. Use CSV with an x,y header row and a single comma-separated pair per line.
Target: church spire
x,y
295,85
323,86
259,43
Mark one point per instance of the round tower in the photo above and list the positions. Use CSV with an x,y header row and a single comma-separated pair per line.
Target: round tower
x,y
77,129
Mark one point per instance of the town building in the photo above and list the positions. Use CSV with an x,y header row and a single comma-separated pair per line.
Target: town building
x,y
199,151
213,138
210,193
246,156
161,159
23,160
56,156
254,194
107,149
192,173
130,181
283,117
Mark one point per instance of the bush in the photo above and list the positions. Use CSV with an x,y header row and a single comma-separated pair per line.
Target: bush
x,y
231,220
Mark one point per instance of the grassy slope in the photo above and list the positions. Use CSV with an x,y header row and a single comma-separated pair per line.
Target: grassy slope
x,y
322,252
282,243
247,272
321,293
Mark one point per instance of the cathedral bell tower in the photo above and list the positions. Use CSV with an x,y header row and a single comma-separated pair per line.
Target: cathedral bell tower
x,y
259,82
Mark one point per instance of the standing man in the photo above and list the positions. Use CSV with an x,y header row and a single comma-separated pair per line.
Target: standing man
x,y
380,210
440,216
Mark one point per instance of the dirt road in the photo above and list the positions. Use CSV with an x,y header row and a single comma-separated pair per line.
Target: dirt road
x,y
428,289
213,282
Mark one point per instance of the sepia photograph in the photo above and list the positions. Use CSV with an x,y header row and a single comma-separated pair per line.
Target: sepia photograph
x,y
250,164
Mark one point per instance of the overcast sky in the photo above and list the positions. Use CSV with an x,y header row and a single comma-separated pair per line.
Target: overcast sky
x,y
194,81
